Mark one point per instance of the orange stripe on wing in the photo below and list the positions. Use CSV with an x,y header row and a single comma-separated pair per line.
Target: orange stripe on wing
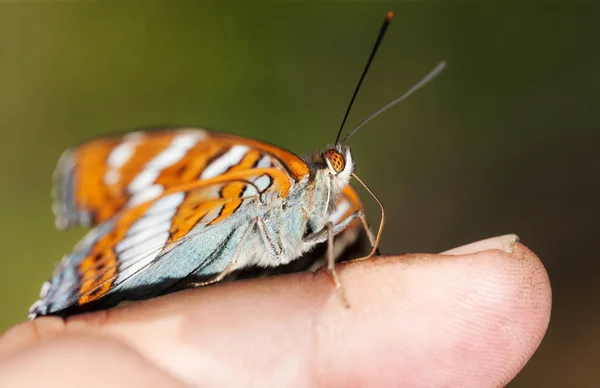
x,y
98,283
91,193
293,163
99,269
198,204
250,159
145,150
281,181
231,191
234,190
193,208
190,167
350,194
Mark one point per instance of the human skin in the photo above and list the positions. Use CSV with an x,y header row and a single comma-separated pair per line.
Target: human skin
x,y
470,317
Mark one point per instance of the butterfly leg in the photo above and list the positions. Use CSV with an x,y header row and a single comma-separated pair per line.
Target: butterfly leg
x,y
274,249
370,235
321,235
327,234
372,239
233,261
334,230
331,266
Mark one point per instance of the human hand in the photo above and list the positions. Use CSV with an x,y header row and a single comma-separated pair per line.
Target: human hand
x,y
472,316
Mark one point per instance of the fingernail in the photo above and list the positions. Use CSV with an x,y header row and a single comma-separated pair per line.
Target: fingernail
x,y
509,241
506,243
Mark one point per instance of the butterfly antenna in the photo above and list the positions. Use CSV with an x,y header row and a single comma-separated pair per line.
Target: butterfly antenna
x,y
384,27
429,77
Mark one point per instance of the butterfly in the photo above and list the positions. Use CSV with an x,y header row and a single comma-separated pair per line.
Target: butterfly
x,y
185,201
192,206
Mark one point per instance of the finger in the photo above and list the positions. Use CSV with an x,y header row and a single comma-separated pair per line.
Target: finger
x,y
415,320
81,360
27,333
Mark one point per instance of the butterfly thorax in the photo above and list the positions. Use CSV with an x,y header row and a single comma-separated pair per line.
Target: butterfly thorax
x,y
315,200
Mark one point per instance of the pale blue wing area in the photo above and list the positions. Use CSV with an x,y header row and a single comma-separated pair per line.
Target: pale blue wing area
x,y
61,290
205,254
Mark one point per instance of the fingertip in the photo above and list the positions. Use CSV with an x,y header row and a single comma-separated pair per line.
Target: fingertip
x,y
529,306
437,320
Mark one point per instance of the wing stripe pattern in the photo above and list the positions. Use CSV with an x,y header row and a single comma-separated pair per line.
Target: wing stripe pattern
x,y
98,272
237,190
98,269
102,177
147,226
292,164
232,190
231,158
135,256
101,263
150,220
193,210
135,251
143,183
98,203
119,156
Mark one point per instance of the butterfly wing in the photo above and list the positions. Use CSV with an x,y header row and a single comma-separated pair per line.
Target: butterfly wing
x,y
99,178
141,251
151,192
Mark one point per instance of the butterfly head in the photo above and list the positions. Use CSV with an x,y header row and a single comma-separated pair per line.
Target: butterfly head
x,y
340,164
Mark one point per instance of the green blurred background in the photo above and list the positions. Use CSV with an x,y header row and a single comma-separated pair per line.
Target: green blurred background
x,y
506,140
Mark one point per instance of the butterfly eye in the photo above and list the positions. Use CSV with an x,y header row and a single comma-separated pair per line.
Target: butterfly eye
x,y
336,160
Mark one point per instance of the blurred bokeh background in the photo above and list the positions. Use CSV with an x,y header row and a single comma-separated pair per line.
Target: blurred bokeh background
x,y
506,140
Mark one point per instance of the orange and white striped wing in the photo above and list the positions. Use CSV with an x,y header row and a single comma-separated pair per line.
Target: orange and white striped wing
x,y
101,177
144,244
